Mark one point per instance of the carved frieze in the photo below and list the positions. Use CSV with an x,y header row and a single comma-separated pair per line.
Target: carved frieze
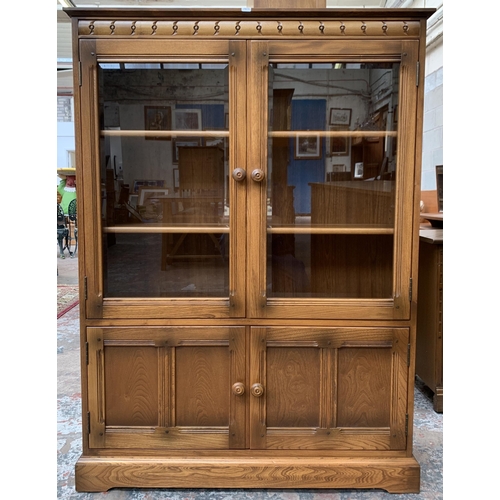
x,y
245,28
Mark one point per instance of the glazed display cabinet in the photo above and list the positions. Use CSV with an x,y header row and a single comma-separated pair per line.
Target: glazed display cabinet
x,y
248,212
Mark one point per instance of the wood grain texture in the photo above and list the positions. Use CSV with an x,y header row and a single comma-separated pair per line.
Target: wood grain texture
x,y
131,386
328,388
334,373
393,475
166,388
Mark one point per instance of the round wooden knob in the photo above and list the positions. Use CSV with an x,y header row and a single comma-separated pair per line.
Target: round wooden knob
x,y
239,174
257,390
258,175
238,389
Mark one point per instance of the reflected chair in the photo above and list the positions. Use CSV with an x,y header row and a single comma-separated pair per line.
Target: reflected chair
x,y
62,231
73,221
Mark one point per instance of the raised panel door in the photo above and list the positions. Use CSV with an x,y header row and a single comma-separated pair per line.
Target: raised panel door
x,y
166,388
329,388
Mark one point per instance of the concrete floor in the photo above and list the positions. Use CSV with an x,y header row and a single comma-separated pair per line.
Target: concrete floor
x,y
428,434
67,269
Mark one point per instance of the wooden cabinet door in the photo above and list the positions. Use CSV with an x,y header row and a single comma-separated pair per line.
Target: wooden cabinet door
x,y
323,248
166,388
329,388
162,127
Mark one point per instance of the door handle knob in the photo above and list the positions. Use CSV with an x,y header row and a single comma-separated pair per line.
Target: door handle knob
x,y
258,175
239,174
238,389
257,390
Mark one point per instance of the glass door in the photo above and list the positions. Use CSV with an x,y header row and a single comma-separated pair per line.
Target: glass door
x,y
166,129
331,201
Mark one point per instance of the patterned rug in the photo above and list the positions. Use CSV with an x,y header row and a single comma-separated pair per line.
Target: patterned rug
x,y
67,298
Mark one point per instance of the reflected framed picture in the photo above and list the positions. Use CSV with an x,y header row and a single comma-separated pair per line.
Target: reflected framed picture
x,y
138,183
358,170
176,179
308,147
149,203
187,119
340,116
157,118
339,145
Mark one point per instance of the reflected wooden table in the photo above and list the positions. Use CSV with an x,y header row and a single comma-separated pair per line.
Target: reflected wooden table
x,y
185,216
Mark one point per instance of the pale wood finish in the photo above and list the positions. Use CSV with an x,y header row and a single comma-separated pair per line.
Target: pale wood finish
x,y
251,391
396,475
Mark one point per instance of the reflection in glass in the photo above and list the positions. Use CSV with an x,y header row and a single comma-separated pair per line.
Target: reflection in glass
x,y
164,162
332,161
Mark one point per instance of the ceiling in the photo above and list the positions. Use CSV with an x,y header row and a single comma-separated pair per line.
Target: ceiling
x,y
64,60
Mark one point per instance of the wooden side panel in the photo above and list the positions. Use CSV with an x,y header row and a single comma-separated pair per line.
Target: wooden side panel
x,y
131,386
201,386
293,386
364,392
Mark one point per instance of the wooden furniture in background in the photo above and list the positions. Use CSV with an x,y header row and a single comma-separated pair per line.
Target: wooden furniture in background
x,y
429,365
430,200
246,386
370,152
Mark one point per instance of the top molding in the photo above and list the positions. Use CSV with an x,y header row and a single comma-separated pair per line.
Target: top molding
x,y
262,23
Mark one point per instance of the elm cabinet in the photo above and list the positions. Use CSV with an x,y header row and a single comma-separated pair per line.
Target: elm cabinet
x,y
246,321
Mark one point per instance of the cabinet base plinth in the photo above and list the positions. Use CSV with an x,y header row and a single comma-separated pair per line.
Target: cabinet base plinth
x,y
395,475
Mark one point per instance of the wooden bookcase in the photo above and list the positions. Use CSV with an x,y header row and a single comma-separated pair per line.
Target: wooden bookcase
x,y
234,342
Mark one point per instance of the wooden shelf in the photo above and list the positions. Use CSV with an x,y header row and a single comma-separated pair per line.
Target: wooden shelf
x,y
159,228
330,229
165,133
334,133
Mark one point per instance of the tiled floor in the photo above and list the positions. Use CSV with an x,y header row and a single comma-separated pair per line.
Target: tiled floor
x,y
428,435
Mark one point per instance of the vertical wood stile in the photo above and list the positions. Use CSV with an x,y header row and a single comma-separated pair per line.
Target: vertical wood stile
x,y
237,190
403,219
96,383
257,104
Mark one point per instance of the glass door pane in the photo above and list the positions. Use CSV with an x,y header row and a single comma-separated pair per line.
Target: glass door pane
x,y
332,150
164,142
